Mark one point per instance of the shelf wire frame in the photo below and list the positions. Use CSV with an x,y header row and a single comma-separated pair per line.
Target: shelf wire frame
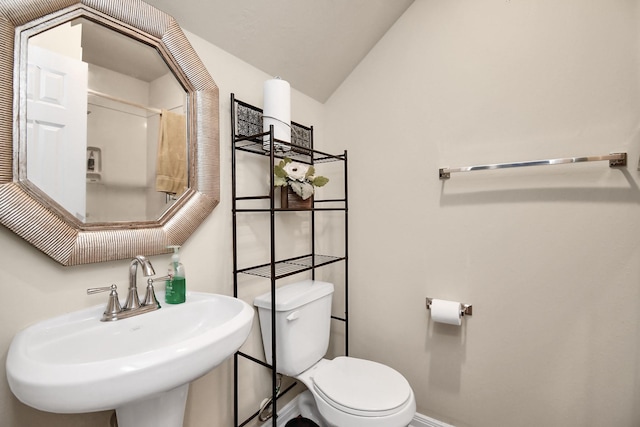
x,y
247,135
250,137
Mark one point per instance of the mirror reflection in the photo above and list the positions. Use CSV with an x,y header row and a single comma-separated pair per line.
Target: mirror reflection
x,y
106,133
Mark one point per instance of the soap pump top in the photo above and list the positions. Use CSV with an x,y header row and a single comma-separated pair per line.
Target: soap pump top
x,y
176,269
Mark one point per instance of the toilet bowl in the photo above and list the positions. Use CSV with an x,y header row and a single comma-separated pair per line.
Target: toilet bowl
x,y
348,392
306,404
351,392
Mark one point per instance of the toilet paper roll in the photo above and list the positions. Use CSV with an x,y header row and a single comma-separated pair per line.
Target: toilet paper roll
x,y
443,311
277,112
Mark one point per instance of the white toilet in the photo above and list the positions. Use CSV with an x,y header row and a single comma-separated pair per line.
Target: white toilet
x,y
348,392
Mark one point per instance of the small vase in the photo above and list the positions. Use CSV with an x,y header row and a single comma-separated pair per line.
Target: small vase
x,y
290,200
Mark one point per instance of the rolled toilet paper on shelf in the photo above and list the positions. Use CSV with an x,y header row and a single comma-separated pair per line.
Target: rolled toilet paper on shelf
x,y
449,312
277,112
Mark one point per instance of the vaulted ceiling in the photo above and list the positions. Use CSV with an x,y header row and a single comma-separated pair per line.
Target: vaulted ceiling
x,y
313,44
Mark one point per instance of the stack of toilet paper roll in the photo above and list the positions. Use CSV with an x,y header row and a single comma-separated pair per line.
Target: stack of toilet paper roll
x,y
449,312
277,112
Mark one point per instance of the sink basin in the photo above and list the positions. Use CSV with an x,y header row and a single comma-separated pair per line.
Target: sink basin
x,y
75,363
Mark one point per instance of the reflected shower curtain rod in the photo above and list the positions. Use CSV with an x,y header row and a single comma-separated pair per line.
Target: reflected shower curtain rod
x,y
123,101
615,160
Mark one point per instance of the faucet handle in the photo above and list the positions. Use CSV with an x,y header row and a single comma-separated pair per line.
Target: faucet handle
x,y
92,291
113,305
152,280
150,296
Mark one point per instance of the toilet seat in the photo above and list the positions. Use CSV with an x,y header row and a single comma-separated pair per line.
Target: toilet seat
x,y
361,387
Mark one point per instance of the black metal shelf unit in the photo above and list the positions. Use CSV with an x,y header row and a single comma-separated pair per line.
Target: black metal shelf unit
x,y
247,135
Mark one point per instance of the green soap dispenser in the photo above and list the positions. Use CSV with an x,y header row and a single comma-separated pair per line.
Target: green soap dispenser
x,y
175,289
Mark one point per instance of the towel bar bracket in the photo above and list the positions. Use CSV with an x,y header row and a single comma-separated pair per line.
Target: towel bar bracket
x,y
614,163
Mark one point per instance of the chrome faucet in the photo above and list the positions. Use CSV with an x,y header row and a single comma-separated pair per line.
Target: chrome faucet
x,y
132,306
133,299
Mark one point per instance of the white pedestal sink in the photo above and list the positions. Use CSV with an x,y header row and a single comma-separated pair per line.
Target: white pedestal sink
x,y
141,366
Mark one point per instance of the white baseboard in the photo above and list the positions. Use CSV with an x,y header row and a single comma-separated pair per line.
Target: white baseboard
x,y
420,420
290,411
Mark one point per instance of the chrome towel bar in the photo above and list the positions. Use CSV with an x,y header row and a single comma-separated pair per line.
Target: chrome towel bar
x,y
615,160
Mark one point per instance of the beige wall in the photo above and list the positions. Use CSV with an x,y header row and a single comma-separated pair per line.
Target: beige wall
x,y
549,257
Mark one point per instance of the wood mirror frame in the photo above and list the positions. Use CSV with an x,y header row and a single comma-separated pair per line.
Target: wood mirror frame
x,y
39,220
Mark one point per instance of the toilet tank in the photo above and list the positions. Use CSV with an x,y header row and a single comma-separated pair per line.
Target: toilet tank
x,y
303,321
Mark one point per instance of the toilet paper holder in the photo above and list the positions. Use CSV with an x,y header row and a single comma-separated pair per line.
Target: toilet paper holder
x,y
465,310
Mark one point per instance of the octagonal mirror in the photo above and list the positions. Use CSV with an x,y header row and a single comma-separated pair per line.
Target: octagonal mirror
x,y
112,148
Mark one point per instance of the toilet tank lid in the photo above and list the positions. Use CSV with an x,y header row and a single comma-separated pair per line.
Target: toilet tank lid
x,y
294,295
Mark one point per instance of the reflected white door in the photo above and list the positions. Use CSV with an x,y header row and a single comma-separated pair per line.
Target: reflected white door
x,y
57,127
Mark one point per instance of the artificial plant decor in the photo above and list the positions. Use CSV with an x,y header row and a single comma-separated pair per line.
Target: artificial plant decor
x,y
299,177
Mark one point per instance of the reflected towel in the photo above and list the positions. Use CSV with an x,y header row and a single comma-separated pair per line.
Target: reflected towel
x,y
171,167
